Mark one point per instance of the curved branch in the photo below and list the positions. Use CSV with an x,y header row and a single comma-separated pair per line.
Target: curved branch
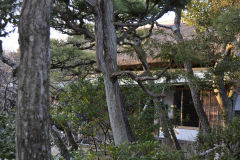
x,y
139,78
62,66
80,45
150,93
152,19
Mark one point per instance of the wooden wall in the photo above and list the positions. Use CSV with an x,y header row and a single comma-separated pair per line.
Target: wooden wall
x,y
212,108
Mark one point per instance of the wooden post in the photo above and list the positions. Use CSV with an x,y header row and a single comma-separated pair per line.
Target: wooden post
x,y
181,112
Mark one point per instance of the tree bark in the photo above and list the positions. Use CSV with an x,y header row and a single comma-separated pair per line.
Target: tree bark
x,y
106,42
32,121
196,98
167,126
59,143
224,101
70,137
193,88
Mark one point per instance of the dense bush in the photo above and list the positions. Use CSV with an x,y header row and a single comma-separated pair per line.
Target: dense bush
x,y
7,135
228,140
151,150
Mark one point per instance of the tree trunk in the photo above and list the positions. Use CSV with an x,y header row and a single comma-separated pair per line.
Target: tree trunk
x,y
193,88
106,42
196,98
70,138
59,143
167,126
32,122
222,97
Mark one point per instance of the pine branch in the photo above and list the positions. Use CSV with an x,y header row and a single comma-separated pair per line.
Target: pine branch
x,y
140,79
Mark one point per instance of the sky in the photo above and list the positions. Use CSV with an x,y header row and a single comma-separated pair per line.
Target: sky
x,y
10,43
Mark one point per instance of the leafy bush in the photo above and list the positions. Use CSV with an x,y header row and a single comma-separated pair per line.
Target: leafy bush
x,y
228,139
7,135
151,150
79,154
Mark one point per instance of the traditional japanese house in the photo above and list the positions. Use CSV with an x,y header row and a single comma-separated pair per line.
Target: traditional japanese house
x,y
179,97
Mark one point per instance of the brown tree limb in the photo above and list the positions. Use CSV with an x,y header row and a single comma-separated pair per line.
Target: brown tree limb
x,y
139,78
80,45
62,66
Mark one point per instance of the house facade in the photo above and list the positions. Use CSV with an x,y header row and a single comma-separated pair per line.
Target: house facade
x,y
179,98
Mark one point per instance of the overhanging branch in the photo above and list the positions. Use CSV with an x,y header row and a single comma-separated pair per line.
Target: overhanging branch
x,y
62,66
140,79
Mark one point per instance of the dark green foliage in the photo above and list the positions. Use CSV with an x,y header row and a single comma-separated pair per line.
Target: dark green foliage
x,y
143,151
68,61
83,105
140,111
8,15
227,24
229,137
202,14
132,10
69,15
7,135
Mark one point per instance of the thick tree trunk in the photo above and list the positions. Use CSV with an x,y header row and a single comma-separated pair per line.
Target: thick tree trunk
x,y
106,42
117,114
32,132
